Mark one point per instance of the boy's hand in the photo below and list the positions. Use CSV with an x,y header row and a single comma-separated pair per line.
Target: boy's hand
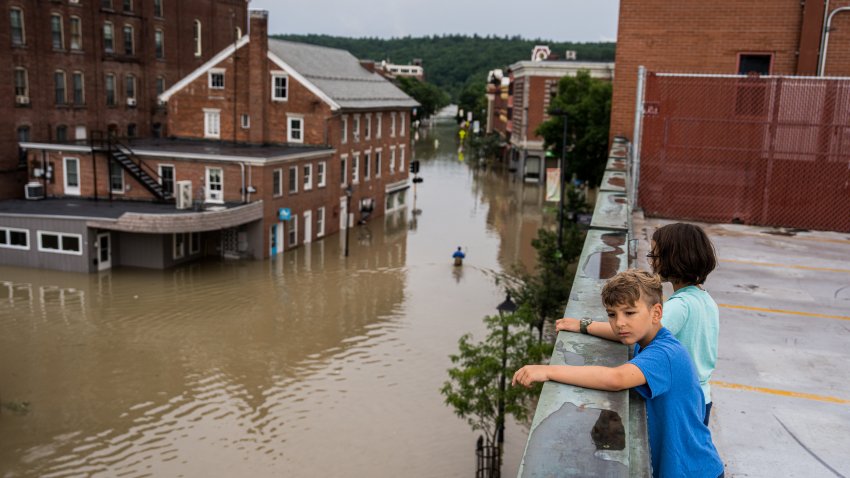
x,y
567,324
529,374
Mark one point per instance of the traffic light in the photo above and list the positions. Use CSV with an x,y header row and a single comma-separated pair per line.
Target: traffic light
x,y
414,167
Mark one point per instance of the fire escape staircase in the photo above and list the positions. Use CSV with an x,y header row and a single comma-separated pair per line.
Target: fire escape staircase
x,y
122,155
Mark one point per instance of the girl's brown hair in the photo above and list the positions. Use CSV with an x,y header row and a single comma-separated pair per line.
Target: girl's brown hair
x,y
683,253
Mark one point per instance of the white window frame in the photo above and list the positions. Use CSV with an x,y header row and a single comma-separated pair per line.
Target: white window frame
x,y
392,124
293,179
212,123
293,231
216,72
192,236
197,37
6,231
175,252
401,158
246,121
211,197
23,26
379,126
61,31
159,37
355,169
378,160
402,122
60,235
79,33
285,77
110,48
82,77
367,165
131,79
344,132
26,85
161,12
277,192
355,131
308,177
132,39
392,159
368,134
159,169
289,120
320,222
70,190
343,159
322,174
123,183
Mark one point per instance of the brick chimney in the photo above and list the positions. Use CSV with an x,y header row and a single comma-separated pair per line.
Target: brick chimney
x,y
259,83
368,65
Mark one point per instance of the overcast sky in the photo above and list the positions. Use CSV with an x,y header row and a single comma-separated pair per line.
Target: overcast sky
x,y
559,20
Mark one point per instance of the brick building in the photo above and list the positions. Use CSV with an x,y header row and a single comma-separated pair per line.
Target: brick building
x,y
777,37
269,142
532,85
77,66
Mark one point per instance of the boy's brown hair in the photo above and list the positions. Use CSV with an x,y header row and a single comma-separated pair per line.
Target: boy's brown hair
x,y
627,287
683,253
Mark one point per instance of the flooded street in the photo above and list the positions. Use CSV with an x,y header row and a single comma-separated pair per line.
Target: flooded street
x,y
308,365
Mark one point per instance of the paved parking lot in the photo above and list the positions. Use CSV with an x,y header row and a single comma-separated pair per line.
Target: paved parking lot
x,y
781,390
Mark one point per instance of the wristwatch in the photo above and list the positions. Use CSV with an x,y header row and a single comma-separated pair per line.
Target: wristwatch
x,y
583,323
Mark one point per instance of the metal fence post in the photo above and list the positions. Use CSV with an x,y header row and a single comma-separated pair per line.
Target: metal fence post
x,y
636,135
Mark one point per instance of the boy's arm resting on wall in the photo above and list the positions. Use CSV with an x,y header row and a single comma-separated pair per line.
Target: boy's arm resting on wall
x,y
597,329
611,379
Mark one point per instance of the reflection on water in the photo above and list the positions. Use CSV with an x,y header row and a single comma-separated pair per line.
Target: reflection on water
x,y
605,264
309,365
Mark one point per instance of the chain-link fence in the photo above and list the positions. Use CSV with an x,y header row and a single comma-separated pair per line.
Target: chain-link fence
x,y
771,151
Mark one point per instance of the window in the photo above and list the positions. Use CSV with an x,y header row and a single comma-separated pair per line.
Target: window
x,y
129,47
293,230
379,126
196,37
131,130
246,121
293,179
60,243
344,132
166,178
21,82
308,177
368,126
392,124
116,178
157,8
367,165
343,174
277,182
355,169
237,33
401,158
295,129
215,185
216,79
194,242
403,121
159,41
320,222
392,159
759,64
14,238
160,85
179,246
378,164
108,38
212,123
61,133
56,33
130,89
76,33
79,91
356,128
59,87
80,132
280,86
106,4
23,134
320,174
128,5
110,89
16,18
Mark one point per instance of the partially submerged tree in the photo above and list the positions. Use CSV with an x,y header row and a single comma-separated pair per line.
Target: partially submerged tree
x,y
428,95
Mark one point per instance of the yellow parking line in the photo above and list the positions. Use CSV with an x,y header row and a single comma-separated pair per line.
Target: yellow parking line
x,y
788,312
783,393
789,266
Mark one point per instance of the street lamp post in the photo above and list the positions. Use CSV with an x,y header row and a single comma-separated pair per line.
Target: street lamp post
x,y
505,308
348,193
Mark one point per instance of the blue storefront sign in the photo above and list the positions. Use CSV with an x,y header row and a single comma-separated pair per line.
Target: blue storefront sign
x,y
284,213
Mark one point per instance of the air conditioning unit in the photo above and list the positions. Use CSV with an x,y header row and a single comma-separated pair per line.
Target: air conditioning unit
x,y
22,100
131,102
34,191
184,194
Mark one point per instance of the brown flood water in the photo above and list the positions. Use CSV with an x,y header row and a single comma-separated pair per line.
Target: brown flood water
x,y
309,365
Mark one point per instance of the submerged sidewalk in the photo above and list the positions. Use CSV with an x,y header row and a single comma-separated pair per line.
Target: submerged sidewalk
x,y
781,390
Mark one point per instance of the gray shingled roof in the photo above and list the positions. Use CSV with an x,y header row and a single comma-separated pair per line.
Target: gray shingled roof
x,y
339,75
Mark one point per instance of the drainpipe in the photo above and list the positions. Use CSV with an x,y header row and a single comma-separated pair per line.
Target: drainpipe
x,y
825,43
242,167
250,181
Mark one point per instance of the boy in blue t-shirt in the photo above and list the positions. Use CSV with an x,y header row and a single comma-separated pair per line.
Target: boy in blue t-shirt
x,y
661,372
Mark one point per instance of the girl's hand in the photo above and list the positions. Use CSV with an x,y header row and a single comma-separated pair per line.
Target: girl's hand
x,y
529,374
567,324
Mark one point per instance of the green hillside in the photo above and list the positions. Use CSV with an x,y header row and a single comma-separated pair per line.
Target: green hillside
x,y
451,61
